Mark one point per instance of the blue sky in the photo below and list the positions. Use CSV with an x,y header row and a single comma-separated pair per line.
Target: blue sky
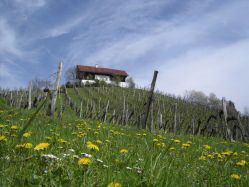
x,y
200,45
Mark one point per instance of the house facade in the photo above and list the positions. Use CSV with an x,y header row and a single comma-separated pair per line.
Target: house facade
x,y
89,75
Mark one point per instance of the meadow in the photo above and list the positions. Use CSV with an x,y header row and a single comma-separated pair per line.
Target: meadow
x,y
86,152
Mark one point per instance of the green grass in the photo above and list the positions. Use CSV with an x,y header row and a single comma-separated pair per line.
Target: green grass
x,y
153,159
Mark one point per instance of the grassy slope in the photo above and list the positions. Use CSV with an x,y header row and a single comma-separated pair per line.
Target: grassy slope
x,y
153,159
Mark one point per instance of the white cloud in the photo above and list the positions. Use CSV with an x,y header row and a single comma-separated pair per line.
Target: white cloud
x,y
30,3
223,71
9,43
64,28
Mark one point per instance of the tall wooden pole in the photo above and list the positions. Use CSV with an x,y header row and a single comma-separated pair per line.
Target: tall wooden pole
x,y
228,130
175,119
54,94
30,89
148,104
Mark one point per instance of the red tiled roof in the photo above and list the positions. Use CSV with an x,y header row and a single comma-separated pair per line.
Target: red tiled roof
x,y
106,71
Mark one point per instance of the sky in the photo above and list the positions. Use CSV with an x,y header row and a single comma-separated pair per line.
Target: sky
x,y
195,45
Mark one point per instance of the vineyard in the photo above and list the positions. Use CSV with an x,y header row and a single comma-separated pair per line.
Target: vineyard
x,y
126,107
96,137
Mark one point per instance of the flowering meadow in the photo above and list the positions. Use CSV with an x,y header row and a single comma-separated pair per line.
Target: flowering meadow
x,y
73,152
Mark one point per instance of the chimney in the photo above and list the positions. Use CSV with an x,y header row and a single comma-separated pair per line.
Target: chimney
x,y
96,65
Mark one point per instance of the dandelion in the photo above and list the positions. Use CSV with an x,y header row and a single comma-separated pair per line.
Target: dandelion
x,y
27,145
3,138
172,149
207,147
2,126
99,142
62,141
123,151
227,153
92,146
235,176
84,161
27,134
114,184
241,163
210,156
202,158
41,146
14,127
155,140
185,145
177,141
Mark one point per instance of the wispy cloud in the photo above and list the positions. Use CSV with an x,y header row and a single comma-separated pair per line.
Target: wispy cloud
x,y
30,3
9,43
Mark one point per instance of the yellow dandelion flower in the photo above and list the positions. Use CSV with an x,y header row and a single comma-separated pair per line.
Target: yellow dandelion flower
x,y
227,153
99,142
235,176
210,156
185,145
27,145
207,146
84,161
177,141
189,142
241,163
202,158
2,126
92,146
155,140
3,138
14,127
41,146
235,154
114,184
27,134
62,141
172,149
123,151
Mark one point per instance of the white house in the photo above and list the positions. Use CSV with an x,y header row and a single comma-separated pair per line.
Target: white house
x,y
89,74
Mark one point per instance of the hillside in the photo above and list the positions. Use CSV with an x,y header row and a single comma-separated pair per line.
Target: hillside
x,y
80,152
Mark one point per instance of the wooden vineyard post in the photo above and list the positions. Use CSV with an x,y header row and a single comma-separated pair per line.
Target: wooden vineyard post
x,y
175,119
228,130
123,114
149,101
55,92
106,111
30,92
152,118
81,109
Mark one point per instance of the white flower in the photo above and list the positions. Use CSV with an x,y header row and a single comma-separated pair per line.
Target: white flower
x,y
71,150
76,156
65,155
85,155
49,157
101,161
105,166
129,168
